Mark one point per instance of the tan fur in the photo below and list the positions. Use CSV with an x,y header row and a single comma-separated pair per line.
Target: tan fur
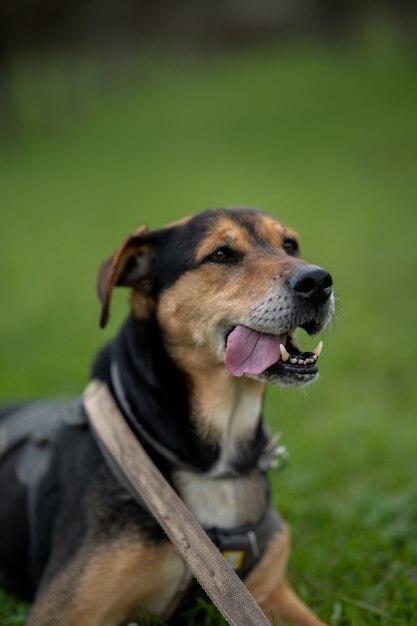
x,y
271,230
115,583
284,607
200,302
219,401
142,304
112,585
224,232
269,587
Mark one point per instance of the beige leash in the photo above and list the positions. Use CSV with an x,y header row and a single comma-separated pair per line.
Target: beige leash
x,y
212,571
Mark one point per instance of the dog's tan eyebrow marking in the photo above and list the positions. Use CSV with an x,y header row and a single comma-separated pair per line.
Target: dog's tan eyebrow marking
x,y
224,233
289,233
270,230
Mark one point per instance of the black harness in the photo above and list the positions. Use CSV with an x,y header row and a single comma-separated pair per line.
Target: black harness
x,y
36,427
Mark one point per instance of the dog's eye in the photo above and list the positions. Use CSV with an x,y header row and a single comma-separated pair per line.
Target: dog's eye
x,y
290,246
221,255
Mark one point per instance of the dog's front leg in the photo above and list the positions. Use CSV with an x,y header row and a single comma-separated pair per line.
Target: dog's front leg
x,y
268,585
283,606
110,584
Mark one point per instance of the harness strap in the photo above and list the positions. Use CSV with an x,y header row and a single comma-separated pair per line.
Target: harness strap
x,y
116,469
36,420
214,574
35,427
244,546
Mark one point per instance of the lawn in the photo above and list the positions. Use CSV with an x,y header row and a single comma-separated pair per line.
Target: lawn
x,y
325,140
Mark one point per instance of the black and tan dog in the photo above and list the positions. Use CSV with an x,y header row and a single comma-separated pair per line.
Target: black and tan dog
x,y
215,302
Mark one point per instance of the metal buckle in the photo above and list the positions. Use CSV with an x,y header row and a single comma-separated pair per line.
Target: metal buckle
x,y
275,455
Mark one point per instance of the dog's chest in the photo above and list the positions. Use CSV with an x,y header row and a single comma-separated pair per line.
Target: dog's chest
x,y
215,498
223,502
231,419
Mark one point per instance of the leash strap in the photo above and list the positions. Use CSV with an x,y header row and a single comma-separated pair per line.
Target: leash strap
x,y
218,579
121,397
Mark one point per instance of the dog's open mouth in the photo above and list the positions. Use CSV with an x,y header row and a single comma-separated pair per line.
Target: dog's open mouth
x,y
251,353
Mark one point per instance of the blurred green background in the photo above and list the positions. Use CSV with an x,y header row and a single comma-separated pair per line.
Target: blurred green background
x,y
321,133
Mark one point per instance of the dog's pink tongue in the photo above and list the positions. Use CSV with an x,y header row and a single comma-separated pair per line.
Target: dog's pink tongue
x,y
250,352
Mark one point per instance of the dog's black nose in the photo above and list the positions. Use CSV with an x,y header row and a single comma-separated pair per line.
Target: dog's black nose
x,y
312,283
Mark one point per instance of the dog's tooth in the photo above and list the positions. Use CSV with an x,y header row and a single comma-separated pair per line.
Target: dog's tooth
x,y
284,354
318,349
293,361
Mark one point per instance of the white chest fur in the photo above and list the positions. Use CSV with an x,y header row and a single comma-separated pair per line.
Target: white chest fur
x,y
222,502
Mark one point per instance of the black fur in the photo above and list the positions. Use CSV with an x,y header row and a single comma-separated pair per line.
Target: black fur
x,y
160,400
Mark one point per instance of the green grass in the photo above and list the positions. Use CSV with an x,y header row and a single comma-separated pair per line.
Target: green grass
x,y
324,140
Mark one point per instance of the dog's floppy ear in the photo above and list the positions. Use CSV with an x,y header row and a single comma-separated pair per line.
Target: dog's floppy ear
x,y
130,265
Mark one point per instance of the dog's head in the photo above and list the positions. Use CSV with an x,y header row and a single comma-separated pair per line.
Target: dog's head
x,y
228,289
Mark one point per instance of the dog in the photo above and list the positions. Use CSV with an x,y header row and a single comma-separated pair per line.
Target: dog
x,y
215,301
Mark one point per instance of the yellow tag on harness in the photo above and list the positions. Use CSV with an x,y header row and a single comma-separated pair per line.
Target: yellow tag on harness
x,y
234,558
